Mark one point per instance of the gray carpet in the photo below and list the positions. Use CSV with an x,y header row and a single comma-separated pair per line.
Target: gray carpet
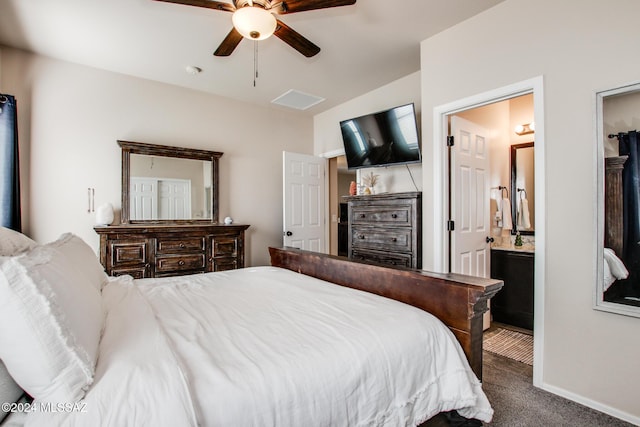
x,y
517,403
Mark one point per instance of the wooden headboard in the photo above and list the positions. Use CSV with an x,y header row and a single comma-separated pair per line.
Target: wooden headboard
x,y
457,300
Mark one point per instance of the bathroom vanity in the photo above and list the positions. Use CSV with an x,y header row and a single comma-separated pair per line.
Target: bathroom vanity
x,y
513,305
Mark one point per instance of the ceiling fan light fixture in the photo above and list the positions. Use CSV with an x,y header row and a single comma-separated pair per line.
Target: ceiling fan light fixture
x,y
254,23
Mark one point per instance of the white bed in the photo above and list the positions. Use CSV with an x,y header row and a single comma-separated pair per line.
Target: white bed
x,y
260,346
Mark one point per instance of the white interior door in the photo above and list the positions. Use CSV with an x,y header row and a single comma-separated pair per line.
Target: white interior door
x,y
143,198
470,251
160,198
304,201
174,199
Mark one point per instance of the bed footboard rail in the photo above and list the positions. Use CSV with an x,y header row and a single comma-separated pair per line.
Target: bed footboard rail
x,y
459,301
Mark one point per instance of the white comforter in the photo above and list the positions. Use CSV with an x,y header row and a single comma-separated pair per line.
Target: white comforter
x,y
269,347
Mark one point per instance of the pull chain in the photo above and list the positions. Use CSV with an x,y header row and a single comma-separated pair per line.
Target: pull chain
x,y
255,62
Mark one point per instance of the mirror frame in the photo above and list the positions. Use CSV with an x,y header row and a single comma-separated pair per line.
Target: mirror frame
x,y
599,302
514,205
130,147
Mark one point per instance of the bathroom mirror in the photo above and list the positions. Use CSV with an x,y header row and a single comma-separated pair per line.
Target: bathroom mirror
x,y
617,287
523,191
164,184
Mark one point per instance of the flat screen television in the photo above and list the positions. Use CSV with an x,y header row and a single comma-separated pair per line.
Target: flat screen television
x,y
388,137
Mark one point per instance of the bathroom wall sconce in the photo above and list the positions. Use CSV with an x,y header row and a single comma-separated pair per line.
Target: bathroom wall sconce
x,y
525,129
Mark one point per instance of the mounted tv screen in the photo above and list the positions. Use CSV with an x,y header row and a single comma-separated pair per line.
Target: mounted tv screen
x,y
381,139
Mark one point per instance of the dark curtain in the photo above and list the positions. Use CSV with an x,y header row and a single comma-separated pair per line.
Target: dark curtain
x,y
9,165
628,146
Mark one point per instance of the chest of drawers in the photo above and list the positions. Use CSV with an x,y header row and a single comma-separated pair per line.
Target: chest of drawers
x,y
386,229
170,250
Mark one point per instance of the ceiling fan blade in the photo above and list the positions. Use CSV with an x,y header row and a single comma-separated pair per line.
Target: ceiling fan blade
x,y
295,40
291,6
229,43
209,4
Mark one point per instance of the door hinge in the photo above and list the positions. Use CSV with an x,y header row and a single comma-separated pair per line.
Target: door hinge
x,y
449,140
450,225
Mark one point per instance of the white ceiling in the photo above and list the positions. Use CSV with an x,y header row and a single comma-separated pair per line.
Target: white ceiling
x,y
363,46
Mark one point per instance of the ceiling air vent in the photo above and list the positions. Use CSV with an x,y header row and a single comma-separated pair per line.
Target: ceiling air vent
x,y
298,100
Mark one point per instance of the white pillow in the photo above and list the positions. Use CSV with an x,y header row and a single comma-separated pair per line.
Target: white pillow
x,y
13,243
82,257
50,324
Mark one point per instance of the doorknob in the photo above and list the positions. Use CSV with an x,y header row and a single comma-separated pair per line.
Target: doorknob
x,y
489,239
288,233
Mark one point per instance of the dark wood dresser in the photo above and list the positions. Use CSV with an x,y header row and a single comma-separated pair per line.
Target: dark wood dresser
x,y
386,229
170,250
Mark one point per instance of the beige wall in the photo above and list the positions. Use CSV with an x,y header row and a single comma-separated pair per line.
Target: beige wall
x,y
588,355
71,116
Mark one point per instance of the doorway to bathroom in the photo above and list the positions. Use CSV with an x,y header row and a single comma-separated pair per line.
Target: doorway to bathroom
x,y
491,211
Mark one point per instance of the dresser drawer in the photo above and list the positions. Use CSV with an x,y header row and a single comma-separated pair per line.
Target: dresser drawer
x,y
224,264
182,245
383,258
394,239
396,215
180,263
136,272
224,246
125,253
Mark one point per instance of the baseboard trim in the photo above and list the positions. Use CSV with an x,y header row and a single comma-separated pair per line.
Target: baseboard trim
x,y
633,419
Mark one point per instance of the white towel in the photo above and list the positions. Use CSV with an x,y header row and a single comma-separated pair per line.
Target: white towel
x,y
507,222
523,215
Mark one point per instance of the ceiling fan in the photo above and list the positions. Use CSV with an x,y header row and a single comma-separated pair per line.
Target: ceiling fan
x,y
255,20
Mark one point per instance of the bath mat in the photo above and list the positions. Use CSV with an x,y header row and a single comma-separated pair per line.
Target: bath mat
x,y
512,344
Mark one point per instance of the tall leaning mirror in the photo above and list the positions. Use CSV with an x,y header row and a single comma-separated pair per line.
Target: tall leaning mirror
x,y
164,184
618,166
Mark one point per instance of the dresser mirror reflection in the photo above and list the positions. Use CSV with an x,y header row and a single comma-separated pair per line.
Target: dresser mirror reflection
x,y
164,184
617,286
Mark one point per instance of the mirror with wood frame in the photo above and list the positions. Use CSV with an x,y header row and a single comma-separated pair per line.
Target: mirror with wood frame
x,y
523,190
164,184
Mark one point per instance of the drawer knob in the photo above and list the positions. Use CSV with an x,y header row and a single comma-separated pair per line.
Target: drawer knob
x,y
394,215
182,245
362,215
394,239
181,262
360,236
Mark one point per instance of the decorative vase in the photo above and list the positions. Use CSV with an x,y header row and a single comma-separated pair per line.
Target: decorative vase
x,y
228,220
104,214
353,188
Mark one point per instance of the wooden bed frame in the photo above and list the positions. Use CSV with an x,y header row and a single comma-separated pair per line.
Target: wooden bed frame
x,y
457,300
